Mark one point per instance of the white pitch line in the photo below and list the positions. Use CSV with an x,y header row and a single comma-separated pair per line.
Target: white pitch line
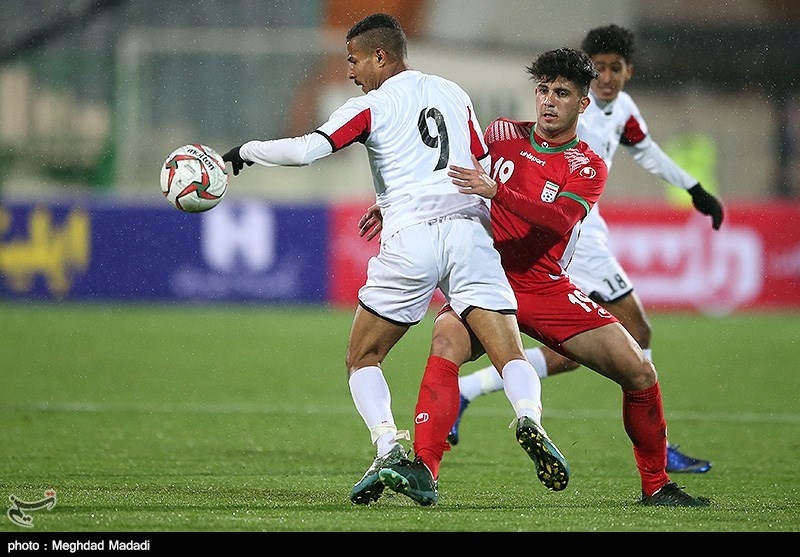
x,y
289,409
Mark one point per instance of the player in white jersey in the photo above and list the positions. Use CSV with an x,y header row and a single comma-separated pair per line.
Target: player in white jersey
x,y
611,119
414,126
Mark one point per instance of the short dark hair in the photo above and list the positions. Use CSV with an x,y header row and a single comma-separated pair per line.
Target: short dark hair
x,y
610,39
381,30
571,64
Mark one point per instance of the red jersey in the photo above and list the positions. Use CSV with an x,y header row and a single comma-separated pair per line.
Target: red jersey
x,y
544,192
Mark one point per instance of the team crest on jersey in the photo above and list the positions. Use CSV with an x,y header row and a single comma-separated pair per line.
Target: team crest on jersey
x,y
588,172
549,192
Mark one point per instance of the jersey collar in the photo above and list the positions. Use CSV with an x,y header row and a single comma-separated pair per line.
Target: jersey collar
x,y
543,146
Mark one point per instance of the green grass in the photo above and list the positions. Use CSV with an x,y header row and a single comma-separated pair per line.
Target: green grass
x,y
234,419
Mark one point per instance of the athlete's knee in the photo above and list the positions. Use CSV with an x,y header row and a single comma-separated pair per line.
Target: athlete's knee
x,y
641,376
450,338
356,359
352,364
451,344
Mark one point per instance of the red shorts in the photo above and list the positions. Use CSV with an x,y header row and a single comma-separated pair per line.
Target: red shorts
x,y
552,312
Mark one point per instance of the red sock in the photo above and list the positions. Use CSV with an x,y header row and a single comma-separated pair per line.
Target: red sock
x,y
436,411
643,416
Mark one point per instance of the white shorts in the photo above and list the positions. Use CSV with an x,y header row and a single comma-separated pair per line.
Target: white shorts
x,y
455,254
594,268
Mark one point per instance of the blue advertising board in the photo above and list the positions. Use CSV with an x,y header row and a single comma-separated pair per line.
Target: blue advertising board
x,y
241,251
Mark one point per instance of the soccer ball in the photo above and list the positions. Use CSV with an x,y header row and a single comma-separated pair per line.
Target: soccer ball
x,y
194,178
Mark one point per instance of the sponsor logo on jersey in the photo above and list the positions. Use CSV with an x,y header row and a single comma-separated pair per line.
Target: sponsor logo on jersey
x,y
531,157
588,172
549,192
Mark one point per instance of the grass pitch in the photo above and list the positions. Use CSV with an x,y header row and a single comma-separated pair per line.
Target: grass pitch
x,y
235,419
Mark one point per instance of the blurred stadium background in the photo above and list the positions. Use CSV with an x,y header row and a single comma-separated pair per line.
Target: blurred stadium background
x,y
95,93
167,417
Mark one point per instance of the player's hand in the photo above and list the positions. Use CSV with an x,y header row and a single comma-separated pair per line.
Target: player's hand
x,y
473,180
707,204
236,160
371,223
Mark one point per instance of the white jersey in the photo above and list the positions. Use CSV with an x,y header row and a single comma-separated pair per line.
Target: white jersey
x,y
415,117
605,127
414,126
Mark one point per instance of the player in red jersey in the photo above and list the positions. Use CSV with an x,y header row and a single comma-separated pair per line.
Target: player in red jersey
x,y
611,120
544,182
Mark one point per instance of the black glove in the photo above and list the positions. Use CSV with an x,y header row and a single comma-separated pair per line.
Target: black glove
x,y
237,162
707,204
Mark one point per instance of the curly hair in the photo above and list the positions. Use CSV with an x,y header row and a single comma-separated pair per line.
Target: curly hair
x,y
610,39
568,63
381,30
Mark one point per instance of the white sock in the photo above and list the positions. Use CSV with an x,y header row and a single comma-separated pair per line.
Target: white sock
x,y
523,389
536,358
481,382
373,401
486,380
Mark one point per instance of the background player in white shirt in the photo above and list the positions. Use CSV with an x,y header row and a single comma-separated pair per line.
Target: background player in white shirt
x,y
611,119
414,126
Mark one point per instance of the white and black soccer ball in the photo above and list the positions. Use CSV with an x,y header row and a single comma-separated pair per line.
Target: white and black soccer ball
x,y
194,178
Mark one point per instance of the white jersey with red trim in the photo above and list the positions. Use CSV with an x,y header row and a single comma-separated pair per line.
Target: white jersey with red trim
x,y
606,126
414,127
415,117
